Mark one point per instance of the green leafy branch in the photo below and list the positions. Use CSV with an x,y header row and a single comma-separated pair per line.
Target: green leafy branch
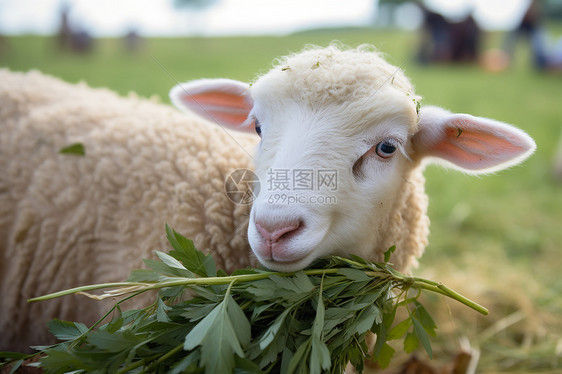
x,y
311,321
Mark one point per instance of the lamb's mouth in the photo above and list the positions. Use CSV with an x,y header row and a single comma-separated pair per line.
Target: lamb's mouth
x,y
288,266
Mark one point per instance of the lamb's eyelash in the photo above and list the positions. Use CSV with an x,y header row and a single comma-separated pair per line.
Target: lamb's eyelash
x,y
400,145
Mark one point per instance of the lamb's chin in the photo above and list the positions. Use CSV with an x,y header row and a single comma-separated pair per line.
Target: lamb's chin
x,y
288,266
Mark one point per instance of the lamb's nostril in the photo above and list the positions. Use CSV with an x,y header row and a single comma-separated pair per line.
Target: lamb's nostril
x,y
277,231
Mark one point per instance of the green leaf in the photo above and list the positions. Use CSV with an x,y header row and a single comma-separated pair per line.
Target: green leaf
x,y
358,260
263,289
399,330
189,360
144,275
247,271
273,330
358,288
239,321
385,356
294,284
389,309
378,314
313,350
425,318
165,269
161,311
381,331
298,361
116,322
355,274
74,149
199,333
286,359
422,336
338,314
64,330
319,353
258,310
276,287
192,259
170,261
411,343
245,366
61,361
113,342
13,355
319,356
195,312
366,319
218,338
388,253
208,293
359,302
15,366
302,282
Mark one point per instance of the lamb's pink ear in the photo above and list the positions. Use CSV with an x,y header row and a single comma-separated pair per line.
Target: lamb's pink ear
x,y
222,101
472,144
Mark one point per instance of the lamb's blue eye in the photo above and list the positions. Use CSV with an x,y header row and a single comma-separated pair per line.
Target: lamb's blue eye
x,y
258,127
385,149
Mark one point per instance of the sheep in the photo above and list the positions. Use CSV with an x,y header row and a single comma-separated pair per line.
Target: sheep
x,y
341,152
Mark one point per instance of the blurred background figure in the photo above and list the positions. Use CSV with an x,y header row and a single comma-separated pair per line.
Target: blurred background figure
x,y
444,41
132,40
2,45
545,54
528,28
70,36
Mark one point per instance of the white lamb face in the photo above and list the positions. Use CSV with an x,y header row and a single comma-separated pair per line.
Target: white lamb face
x,y
340,138
329,175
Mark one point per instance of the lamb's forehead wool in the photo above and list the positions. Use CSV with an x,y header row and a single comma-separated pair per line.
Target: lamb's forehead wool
x,y
334,74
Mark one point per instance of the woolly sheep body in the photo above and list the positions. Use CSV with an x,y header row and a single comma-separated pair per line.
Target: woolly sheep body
x,y
68,220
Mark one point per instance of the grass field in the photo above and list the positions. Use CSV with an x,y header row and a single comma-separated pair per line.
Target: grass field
x,y
497,238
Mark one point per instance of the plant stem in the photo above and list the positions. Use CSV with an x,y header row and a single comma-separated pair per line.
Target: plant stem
x,y
134,365
180,281
440,288
83,289
176,281
164,357
457,296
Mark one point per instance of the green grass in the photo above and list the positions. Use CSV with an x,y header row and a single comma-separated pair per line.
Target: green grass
x,y
499,235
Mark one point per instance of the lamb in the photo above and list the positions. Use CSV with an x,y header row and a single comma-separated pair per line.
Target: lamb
x,y
340,163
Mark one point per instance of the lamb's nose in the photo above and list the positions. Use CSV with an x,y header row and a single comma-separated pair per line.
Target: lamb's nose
x,y
276,232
